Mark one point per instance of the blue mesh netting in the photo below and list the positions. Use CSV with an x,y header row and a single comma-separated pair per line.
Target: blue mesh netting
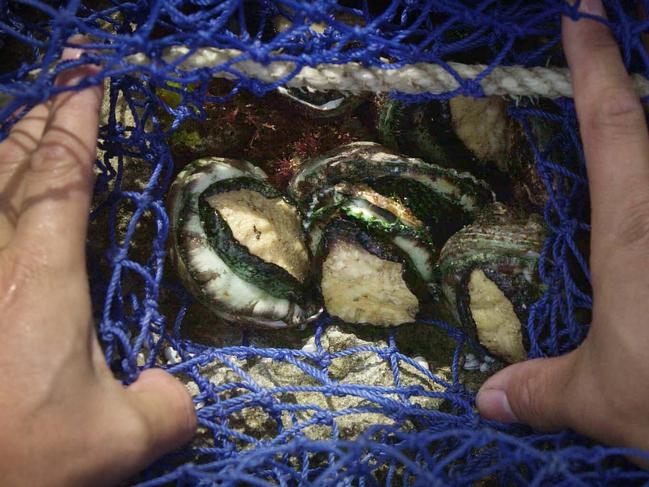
x,y
142,311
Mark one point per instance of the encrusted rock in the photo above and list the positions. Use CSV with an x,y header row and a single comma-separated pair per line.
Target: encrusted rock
x,y
319,411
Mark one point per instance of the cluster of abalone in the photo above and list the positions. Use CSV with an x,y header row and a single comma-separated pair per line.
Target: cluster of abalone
x,y
371,236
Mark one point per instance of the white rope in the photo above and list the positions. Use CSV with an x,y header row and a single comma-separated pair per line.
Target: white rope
x,y
412,79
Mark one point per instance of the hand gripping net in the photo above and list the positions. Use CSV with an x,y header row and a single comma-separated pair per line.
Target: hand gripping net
x,y
416,49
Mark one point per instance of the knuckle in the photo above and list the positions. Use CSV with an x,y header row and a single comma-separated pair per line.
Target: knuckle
x,y
617,111
527,405
34,263
541,396
56,157
55,165
633,231
25,266
604,46
49,155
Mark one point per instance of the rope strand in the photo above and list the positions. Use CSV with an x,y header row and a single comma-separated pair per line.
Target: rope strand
x,y
354,77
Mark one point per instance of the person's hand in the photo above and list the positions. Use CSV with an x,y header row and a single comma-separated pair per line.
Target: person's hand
x,y
64,419
602,388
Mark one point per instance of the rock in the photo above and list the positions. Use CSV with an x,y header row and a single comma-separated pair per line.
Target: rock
x,y
360,369
192,388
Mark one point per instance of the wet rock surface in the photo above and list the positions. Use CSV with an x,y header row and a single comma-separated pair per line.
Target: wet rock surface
x,y
363,380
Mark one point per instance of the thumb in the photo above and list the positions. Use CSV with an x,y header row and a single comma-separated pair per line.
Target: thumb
x,y
166,409
535,392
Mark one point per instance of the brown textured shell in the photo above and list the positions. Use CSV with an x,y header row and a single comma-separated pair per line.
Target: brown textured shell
x,y
506,247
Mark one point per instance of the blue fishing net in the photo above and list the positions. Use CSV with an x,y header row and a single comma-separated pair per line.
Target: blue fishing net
x,y
142,311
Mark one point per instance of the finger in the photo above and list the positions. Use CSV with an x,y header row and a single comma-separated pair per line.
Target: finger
x,y
167,410
58,182
612,125
22,140
131,428
535,392
14,153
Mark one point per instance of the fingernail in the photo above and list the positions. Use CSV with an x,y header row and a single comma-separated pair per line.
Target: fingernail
x,y
593,7
70,53
72,77
494,404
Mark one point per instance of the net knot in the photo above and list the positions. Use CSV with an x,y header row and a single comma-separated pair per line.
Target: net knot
x,y
387,353
324,360
472,88
568,227
280,355
334,389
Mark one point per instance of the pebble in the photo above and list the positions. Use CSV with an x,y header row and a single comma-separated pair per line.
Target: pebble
x,y
470,362
172,356
192,388
140,359
422,361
